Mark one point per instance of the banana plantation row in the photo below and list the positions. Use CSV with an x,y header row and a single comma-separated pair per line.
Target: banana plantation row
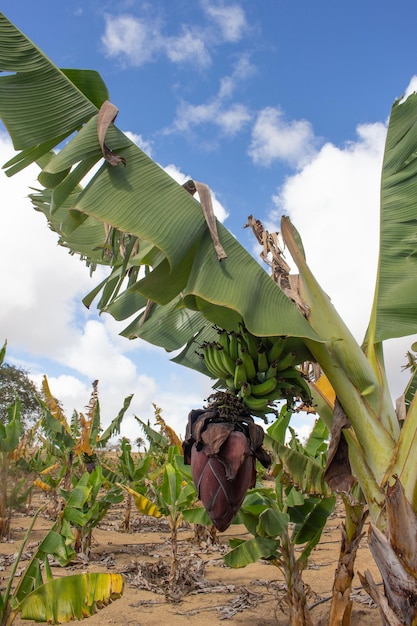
x,y
70,463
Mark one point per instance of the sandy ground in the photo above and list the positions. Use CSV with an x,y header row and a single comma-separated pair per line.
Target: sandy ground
x,y
248,596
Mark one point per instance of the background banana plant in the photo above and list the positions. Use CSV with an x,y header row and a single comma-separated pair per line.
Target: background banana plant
x,y
289,515
170,495
166,273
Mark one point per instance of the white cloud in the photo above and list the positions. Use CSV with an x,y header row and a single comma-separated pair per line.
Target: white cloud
x,y
187,47
131,39
412,87
137,41
230,20
229,117
273,138
36,274
333,201
142,143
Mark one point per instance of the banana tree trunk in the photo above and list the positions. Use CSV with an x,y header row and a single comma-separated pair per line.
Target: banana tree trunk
x,y
396,557
127,514
173,574
341,606
299,614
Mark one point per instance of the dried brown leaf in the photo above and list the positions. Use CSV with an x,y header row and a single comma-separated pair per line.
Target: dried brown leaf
x,y
338,473
106,115
204,192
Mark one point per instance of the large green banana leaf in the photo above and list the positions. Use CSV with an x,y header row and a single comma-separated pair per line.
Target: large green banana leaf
x,y
395,304
135,219
71,597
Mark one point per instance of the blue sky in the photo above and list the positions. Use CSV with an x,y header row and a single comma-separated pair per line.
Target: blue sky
x,y
280,107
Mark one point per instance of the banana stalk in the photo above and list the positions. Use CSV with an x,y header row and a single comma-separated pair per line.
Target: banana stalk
x,y
373,446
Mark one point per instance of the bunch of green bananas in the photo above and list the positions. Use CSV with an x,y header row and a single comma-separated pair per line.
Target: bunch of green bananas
x,y
259,370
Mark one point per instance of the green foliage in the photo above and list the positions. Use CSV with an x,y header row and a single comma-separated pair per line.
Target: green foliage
x,y
86,504
15,382
39,597
14,485
289,514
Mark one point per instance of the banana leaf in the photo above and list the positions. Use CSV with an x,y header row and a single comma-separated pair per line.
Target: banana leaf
x,y
12,430
143,504
3,352
71,597
250,551
394,307
306,472
139,200
114,426
309,529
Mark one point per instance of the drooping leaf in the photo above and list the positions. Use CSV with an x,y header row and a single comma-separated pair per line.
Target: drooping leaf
x,y
171,485
140,199
71,597
251,551
3,352
54,106
114,426
272,522
306,472
309,529
12,431
143,504
197,515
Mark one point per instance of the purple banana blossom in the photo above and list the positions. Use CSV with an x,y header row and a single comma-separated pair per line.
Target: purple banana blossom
x,y
222,452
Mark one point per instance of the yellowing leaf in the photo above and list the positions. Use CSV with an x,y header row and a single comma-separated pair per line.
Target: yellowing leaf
x,y
71,597
143,504
324,388
50,469
41,485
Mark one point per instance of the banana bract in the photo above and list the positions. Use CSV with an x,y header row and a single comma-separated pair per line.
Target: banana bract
x,y
222,444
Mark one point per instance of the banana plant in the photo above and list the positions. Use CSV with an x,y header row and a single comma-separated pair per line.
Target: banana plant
x,y
71,445
170,496
39,597
167,273
86,504
131,471
292,513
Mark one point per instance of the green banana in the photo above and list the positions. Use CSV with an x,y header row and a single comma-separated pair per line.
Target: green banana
x,y
248,363
302,387
256,405
264,389
298,379
272,370
233,346
226,361
263,363
245,390
240,376
210,359
251,341
223,339
219,361
287,361
277,349
230,382
285,388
